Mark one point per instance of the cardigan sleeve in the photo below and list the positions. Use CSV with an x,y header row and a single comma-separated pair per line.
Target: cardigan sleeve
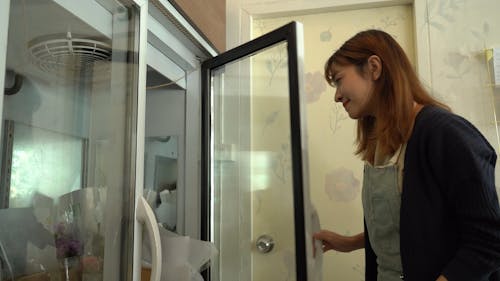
x,y
371,267
465,164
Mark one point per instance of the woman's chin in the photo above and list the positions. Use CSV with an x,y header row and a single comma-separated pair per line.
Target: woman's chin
x,y
353,115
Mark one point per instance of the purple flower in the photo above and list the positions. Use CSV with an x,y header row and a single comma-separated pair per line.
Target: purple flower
x,y
67,242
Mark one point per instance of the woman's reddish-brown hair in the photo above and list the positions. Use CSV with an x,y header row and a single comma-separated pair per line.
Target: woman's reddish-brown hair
x,y
394,92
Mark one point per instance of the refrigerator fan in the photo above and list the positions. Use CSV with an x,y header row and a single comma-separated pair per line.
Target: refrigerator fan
x,y
64,52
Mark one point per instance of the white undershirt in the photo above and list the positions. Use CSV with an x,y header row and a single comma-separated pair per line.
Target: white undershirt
x,y
397,158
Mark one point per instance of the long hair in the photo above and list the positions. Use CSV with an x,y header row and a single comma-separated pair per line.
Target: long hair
x,y
394,92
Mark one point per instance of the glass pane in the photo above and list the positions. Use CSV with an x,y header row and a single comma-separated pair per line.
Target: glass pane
x,y
43,162
164,149
67,141
160,178
252,196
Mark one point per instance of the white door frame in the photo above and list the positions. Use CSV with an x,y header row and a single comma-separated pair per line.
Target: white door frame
x,y
156,30
142,4
4,33
141,117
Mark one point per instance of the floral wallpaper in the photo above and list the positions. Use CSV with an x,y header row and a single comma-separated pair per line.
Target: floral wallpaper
x,y
314,86
342,185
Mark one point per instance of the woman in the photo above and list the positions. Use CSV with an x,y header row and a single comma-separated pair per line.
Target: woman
x,y
431,210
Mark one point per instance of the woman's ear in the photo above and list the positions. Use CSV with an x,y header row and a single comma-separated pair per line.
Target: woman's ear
x,y
374,67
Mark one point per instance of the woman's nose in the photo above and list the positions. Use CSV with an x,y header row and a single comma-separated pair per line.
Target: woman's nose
x,y
338,96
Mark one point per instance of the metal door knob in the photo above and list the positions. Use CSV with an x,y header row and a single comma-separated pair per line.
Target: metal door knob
x,y
265,243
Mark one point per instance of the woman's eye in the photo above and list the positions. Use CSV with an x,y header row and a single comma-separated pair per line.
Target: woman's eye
x,y
336,82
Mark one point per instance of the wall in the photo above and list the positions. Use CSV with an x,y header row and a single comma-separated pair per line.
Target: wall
x,y
209,17
165,115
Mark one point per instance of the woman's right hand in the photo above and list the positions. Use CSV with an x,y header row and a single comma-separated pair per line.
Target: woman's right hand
x,y
334,241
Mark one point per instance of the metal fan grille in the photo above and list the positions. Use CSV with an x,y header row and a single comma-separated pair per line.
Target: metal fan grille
x,y
55,54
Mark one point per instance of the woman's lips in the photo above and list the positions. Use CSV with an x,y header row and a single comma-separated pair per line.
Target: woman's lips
x,y
345,103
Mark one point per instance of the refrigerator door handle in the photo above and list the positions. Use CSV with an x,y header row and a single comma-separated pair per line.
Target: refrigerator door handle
x,y
146,216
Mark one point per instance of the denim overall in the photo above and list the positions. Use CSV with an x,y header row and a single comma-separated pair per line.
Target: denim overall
x,y
381,198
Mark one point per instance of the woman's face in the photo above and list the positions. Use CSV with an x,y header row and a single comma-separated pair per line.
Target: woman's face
x,y
354,91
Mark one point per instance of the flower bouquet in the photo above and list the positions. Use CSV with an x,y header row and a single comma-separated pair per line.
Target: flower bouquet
x,y
69,249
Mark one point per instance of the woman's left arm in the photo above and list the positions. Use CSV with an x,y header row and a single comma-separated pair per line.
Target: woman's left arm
x,y
472,198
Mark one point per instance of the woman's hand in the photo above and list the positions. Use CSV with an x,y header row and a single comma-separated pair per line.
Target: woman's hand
x,y
337,242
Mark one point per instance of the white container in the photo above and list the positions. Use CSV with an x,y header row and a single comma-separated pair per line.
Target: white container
x,y
166,212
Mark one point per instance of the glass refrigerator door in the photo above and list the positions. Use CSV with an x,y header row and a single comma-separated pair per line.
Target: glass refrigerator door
x,y
255,196
67,182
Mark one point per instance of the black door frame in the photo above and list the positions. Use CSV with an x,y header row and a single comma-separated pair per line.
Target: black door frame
x,y
287,33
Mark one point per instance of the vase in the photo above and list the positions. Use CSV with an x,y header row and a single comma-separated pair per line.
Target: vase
x,y
71,269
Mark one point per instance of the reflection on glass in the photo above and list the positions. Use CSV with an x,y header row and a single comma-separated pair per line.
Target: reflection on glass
x,y
46,162
251,168
160,177
65,147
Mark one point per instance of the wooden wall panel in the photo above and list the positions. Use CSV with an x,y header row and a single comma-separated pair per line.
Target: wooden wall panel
x,y
209,16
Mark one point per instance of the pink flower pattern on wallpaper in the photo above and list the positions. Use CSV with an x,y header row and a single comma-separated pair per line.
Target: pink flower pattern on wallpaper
x,y
315,86
341,185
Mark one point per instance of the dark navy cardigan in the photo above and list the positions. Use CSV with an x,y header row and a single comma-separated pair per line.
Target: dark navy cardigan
x,y
450,214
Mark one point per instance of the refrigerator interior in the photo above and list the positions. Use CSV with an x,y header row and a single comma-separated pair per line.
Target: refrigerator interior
x,y
65,137
163,149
